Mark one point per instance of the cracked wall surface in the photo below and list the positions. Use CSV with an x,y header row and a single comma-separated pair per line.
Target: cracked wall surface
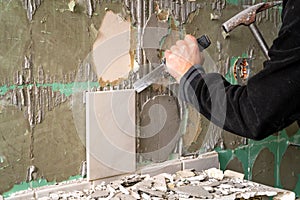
x,y
43,46
44,72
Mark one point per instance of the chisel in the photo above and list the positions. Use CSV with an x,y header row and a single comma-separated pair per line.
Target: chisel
x,y
161,71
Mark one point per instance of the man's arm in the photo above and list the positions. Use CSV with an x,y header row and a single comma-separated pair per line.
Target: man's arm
x,y
271,99
267,104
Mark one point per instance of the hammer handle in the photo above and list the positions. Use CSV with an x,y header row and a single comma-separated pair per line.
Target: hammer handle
x,y
260,39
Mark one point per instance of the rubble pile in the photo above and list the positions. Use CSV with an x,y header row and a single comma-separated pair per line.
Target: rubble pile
x,y
187,184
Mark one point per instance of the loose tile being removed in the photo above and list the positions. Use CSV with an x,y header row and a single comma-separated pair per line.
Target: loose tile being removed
x,y
110,133
191,185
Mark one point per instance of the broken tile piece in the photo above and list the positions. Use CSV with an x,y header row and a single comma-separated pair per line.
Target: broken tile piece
x,y
100,194
146,196
194,191
266,193
169,177
135,194
200,177
121,196
233,190
228,197
238,185
144,184
116,184
160,183
133,179
215,173
285,195
153,188
208,188
225,186
123,190
213,183
233,174
247,195
184,174
54,196
171,186
152,192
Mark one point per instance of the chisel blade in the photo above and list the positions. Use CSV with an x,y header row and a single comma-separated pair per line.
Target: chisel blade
x,y
149,79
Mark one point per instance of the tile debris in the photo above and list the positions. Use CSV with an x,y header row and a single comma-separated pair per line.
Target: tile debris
x,y
187,184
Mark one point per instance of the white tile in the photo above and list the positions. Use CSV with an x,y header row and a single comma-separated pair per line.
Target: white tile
x,y
170,167
202,162
26,195
70,187
111,139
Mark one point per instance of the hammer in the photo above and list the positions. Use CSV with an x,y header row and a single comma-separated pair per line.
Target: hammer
x,y
247,17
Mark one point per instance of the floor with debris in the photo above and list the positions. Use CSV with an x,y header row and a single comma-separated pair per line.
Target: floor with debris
x,y
186,184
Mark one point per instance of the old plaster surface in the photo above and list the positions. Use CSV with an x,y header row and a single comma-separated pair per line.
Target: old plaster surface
x,y
41,59
111,50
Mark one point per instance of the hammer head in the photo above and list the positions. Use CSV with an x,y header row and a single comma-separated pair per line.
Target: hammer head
x,y
247,16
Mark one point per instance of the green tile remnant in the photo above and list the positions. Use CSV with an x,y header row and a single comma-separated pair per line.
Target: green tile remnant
x,y
234,2
71,88
4,89
64,88
34,184
297,188
237,2
25,186
246,154
224,157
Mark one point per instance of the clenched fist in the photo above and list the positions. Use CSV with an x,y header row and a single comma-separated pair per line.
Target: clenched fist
x,y
182,56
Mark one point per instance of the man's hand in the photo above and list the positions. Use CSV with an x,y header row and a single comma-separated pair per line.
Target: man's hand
x,y
182,56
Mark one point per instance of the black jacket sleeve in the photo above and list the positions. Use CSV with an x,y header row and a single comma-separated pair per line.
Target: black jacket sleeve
x,y
271,99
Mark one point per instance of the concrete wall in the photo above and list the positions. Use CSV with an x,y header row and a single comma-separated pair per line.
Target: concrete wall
x,y
43,76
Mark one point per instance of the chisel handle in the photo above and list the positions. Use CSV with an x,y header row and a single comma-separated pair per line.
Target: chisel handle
x,y
203,42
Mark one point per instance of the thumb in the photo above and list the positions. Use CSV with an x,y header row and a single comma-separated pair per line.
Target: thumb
x,y
167,53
